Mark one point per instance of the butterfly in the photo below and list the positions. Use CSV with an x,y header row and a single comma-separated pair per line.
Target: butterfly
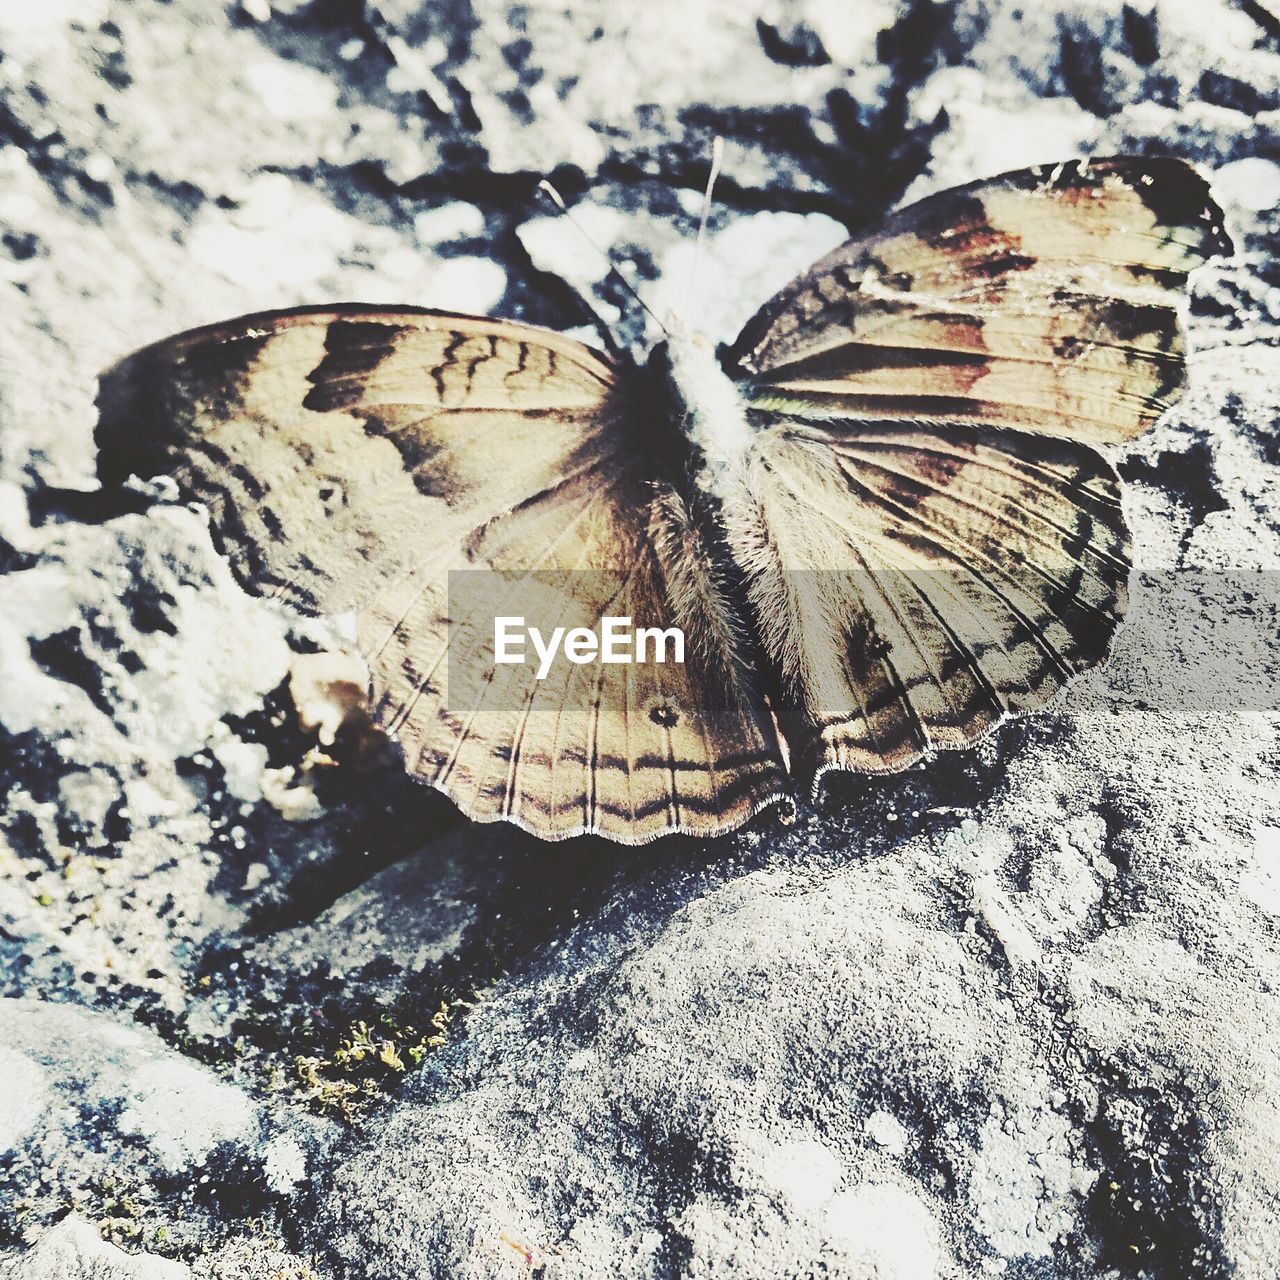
x,y
879,516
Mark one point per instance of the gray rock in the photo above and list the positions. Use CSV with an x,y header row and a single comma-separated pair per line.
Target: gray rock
x,y
74,1250
144,1144
70,1060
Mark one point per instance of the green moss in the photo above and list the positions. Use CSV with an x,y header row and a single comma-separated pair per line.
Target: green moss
x,y
114,1206
309,1040
369,1058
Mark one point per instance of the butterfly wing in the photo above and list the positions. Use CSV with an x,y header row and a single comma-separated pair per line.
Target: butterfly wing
x,y
418,471
916,583
1046,299
931,545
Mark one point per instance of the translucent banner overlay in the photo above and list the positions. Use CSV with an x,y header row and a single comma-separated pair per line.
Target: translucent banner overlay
x,y
1192,641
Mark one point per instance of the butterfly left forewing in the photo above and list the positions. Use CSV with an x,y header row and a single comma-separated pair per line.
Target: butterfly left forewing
x,y
335,447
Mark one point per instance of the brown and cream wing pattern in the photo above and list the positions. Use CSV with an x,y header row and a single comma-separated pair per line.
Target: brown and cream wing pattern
x,y
353,459
1046,299
633,751
914,584
931,542
329,443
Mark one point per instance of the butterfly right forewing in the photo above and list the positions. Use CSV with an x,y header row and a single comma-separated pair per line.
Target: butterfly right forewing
x,y
930,545
1046,299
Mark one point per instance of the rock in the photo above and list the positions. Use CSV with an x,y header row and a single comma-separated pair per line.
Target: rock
x,y
1012,1013
104,1118
73,1250
66,1062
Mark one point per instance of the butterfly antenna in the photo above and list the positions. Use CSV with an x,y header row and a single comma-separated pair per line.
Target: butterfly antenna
x,y
558,200
717,158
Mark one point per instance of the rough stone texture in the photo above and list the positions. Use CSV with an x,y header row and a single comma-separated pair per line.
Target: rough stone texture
x,y
74,1248
1014,1013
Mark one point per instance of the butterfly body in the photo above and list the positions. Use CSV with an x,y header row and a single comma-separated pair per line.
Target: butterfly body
x,y
880,516
712,414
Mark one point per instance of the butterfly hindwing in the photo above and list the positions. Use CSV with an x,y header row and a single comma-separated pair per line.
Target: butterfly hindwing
x,y
632,750
915,584
353,460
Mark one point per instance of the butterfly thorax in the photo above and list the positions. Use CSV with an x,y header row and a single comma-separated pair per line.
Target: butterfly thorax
x,y
711,413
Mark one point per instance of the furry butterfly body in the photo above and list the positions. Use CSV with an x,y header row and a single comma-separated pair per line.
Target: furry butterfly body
x,y
880,518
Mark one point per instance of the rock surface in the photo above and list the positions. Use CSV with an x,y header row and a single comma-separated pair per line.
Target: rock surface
x,y
1013,1013
75,1248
